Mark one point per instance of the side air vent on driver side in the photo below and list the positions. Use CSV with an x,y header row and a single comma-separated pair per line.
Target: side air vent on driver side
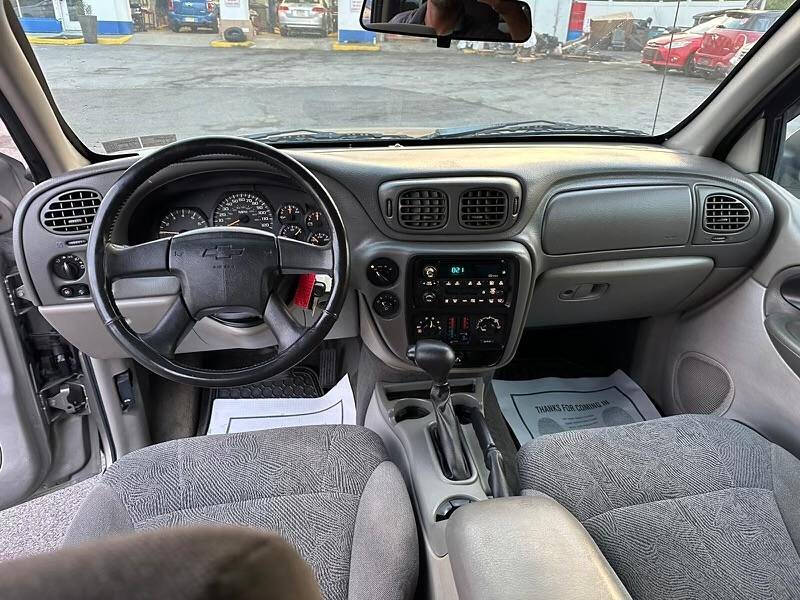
x,y
71,212
422,208
725,214
483,208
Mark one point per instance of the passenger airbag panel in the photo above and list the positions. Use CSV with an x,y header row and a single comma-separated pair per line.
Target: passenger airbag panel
x,y
618,218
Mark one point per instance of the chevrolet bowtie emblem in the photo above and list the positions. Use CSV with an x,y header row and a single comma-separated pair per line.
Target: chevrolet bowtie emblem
x,y
227,251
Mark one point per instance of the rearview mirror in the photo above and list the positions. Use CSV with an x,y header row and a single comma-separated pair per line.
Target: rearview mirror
x,y
445,20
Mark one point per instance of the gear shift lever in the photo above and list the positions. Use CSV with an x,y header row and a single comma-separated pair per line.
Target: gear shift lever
x,y
436,359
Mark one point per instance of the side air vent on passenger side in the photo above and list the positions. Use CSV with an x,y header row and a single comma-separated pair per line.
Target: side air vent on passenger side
x,y
422,208
71,212
725,214
483,208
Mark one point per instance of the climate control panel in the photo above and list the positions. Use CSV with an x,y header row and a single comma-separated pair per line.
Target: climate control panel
x,y
467,303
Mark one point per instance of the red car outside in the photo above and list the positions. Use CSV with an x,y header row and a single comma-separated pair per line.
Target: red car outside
x,y
721,43
676,51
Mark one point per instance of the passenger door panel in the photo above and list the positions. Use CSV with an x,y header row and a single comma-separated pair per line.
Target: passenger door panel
x,y
749,337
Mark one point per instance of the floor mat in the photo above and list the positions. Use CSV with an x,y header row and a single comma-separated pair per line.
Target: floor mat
x,y
233,411
540,406
300,382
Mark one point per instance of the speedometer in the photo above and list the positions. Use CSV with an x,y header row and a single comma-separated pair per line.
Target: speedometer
x,y
243,209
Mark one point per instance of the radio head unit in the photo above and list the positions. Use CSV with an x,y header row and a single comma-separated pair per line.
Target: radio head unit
x,y
466,302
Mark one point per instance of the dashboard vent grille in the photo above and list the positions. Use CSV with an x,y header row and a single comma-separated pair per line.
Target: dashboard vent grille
x,y
483,208
725,214
71,212
422,208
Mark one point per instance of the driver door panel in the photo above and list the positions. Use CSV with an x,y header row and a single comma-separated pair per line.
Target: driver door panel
x,y
45,441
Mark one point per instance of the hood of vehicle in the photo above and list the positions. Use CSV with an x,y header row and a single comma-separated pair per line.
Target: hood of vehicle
x,y
664,40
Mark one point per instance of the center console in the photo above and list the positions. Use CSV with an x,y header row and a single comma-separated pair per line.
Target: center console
x,y
465,302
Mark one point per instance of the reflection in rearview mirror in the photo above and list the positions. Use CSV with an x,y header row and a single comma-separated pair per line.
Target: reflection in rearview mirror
x,y
480,20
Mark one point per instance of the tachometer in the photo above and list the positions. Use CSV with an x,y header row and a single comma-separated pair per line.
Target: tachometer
x,y
179,220
243,209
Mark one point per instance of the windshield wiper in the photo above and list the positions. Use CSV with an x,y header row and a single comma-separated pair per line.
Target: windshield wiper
x,y
530,128
313,135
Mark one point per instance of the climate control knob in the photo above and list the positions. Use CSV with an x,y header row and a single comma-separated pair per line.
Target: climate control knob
x,y
488,326
429,327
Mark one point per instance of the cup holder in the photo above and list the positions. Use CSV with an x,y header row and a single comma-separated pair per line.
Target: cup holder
x,y
411,411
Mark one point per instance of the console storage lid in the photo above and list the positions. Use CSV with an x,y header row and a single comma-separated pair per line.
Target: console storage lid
x,y
526,547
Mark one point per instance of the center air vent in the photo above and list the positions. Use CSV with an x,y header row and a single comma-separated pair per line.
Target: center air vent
x,y
725,214
483,208
422,209
71,212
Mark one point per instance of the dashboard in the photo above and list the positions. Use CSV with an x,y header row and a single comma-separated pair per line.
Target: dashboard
x,y
470,244
235,200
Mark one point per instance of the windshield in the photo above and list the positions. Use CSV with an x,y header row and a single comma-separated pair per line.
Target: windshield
x,y
306,72
708,25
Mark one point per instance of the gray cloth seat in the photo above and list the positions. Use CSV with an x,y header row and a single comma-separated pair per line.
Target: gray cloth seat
x,y
683,507
330,491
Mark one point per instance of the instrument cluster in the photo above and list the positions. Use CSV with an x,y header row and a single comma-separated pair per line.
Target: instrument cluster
x,y
249,208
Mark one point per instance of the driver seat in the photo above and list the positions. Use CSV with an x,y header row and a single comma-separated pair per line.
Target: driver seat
x,y
330,491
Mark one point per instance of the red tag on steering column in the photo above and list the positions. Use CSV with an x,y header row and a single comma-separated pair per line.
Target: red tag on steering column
x,y
305,289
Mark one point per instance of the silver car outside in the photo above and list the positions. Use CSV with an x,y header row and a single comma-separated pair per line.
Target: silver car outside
x,y
302,16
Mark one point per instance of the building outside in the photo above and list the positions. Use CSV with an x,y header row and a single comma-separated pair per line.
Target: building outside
x,y
61,16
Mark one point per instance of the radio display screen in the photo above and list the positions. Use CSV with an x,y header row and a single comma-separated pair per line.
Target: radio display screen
x,y
471,269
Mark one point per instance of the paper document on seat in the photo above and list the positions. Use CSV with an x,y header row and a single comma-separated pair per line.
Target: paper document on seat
x,y
231,415
540,406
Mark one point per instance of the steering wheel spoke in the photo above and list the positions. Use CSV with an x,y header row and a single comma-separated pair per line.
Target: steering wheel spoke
x,y
281,322
149,258
296,257
169,332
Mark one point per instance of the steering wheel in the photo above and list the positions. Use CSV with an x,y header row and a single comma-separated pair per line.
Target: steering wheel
x,y
220,269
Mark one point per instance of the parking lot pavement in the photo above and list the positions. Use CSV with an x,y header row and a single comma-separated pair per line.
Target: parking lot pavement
x,y
167,37
108,92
